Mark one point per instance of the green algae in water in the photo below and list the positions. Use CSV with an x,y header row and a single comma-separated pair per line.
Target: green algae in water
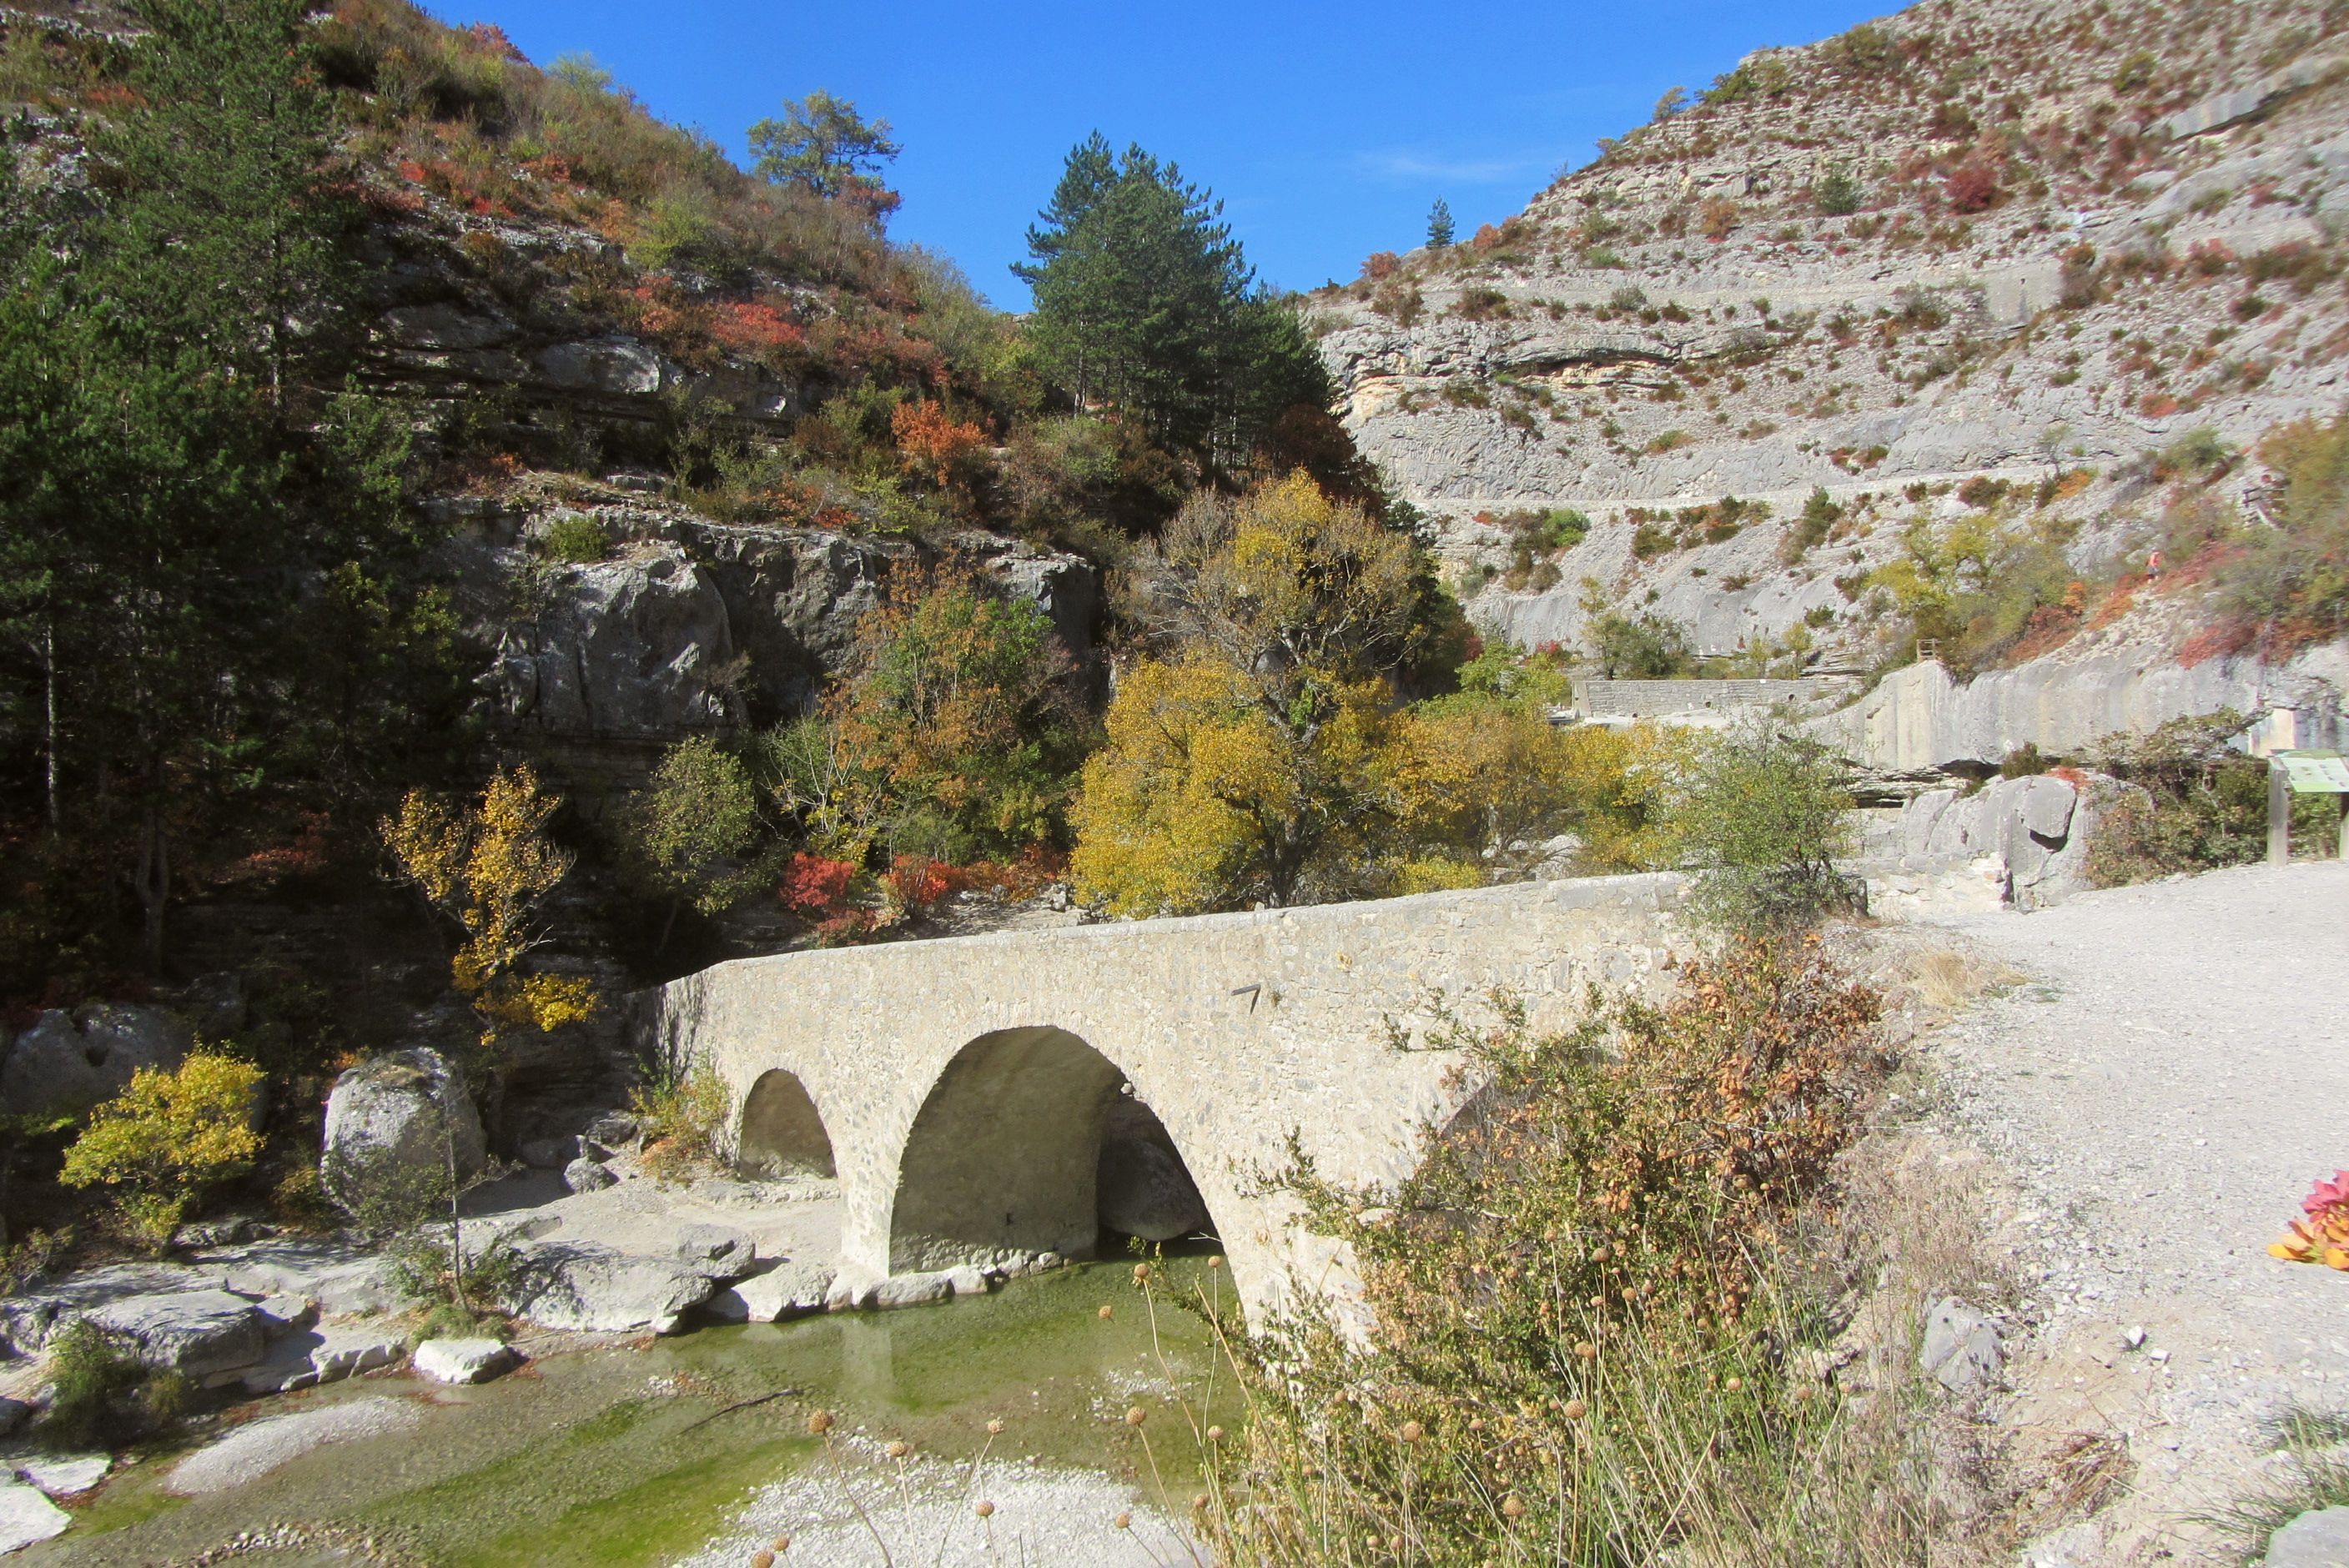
x,y
613,1458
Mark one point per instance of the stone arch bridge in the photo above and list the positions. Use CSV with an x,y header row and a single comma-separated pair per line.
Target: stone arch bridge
x,y
958,1088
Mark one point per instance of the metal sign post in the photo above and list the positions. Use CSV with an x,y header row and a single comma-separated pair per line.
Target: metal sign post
x,y
2293,773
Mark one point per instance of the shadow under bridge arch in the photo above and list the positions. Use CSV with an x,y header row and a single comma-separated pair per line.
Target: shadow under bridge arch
x,y
783,1133
1032,1141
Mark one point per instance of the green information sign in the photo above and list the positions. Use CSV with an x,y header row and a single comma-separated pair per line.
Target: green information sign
x,y
2315,772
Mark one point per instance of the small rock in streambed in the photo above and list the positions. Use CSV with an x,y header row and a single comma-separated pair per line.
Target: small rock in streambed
x,y
2318,1539
26,1516
583,1175
463,1360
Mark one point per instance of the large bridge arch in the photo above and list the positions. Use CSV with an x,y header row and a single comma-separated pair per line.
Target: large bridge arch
x,y
1234,1029
1000,1160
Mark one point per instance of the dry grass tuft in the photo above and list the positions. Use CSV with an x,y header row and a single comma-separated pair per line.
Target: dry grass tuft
x,y
1948,979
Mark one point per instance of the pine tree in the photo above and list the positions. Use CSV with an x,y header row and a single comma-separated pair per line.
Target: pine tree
x,y
1145,302
1091,170
822,145
1439,225
228,229
193,520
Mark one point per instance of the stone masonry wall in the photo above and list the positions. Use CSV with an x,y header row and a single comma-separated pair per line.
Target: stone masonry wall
x,y
1237,1029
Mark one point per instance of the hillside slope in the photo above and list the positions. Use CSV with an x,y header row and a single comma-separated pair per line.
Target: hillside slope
x,y
1980,262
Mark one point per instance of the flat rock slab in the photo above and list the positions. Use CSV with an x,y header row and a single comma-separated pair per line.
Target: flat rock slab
x,y
342,1280
26,1516
28,1320
63,1477
463,1360
578,1285
328,1355
2319,1539
790,1289
196,1332
253,1450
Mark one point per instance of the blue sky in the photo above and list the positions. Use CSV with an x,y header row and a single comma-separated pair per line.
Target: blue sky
x,y
1327,131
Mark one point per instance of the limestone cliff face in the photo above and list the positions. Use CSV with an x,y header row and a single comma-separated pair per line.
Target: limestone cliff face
x,y
2081,231
690,625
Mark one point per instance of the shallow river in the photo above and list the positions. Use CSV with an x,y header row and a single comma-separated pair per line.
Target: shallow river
x,y
627,1457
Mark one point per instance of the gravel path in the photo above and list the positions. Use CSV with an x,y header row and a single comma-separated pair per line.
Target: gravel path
x,y
2165,1087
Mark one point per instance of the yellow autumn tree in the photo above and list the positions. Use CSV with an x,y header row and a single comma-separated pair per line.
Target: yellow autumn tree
x,y
1251,764
165,1139
1200,799
490,867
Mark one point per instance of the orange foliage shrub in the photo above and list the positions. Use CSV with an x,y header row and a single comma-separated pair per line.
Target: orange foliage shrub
x,y
932,442
1973,187
814,885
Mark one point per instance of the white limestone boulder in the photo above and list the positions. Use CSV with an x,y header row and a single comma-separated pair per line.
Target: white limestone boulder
x,y
584,1287
790,1289
463,1360
70,1061
1962,1349
584,1175
392,1124
716,1251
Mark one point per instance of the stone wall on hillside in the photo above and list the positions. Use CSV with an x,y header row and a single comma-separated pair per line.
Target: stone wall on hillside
x,y
1920,719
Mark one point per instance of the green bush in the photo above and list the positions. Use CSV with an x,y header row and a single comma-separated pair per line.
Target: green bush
x,y
1639,647
2196,804
682,1116
1761,817
167,1138
2291,581
105,1396
1584,1296
1837,193
576,540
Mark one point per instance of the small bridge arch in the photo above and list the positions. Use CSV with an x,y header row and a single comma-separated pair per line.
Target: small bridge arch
x,y
960,1084
779,1131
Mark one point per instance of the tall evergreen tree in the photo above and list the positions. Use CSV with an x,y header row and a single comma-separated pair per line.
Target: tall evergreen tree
x,y
1145,304
197,526
1439,225
224,226
1091,170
